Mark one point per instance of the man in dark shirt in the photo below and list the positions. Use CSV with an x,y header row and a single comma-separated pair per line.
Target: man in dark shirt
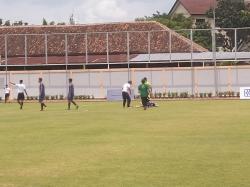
x,y
71,95
41,93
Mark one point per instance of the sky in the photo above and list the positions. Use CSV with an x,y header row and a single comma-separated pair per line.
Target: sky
x,y
84,11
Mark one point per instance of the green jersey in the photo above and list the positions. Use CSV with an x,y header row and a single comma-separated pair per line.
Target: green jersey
x,y
144,90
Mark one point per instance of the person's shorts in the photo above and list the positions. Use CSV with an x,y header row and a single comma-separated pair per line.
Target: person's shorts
x,y
70,98
41,99
7,96
20,96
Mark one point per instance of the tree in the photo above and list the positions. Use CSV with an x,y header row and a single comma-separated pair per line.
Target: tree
x,y
231,14
7,23
45,21
18,23
177,22
183,25
203,35
72,20
61,23
1,21
52,23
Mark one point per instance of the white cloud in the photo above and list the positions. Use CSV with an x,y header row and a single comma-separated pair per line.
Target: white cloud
x,y
85,11
100,11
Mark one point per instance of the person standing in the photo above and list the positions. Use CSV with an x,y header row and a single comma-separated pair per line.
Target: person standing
x,y
150,90
41,93
144,90
71,95
21,89
126,94
7,93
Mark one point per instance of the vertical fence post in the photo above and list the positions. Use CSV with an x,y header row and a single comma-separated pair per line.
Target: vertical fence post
x,y
46,48
107,41
6,57
128,54
192,65
66,60
149,47
25,50
235,44
149,55
86,49
170,46
215,61
66,52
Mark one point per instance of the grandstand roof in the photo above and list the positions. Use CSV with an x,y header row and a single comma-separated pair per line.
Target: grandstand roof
x,y
34,37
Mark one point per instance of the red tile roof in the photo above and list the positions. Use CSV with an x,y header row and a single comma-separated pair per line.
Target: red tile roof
x,y
196,7
97,42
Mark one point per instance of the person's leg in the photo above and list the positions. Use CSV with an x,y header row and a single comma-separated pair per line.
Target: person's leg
x,y
19,100
21,104
69,103
128,100
42,105
144,102
74,103
5,99
124,99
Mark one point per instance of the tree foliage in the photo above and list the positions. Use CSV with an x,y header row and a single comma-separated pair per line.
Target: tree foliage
x,y
9,23
231,14
177,22
183,26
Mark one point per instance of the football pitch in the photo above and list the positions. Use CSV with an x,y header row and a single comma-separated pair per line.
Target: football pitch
x,y
180,143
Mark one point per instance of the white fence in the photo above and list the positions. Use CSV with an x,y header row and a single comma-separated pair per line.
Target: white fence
x,y
97,82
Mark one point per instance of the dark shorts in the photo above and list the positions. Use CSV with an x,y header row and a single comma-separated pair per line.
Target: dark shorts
x,y
20,96
70,98
41,99
126,96
7,96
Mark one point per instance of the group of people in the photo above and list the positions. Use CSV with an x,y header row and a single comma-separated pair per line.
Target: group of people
x,y
144,89
21,90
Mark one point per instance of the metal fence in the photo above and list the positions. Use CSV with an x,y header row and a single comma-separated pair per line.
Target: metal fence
x,y
186,68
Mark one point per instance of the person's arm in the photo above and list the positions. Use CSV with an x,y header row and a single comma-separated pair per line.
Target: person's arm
x,y
12,83
25,92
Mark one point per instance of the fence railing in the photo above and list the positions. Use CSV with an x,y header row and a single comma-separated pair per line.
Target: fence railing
x,y
161,48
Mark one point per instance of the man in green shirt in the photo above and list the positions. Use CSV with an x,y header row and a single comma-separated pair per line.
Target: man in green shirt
x,y
144,92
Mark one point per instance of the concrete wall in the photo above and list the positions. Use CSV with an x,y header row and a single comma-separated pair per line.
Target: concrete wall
x,y
96,82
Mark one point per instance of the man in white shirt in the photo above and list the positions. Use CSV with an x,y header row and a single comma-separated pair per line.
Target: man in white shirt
x,y
7,93
21,89
126,94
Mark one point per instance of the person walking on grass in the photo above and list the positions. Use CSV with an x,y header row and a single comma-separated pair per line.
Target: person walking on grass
x,y
126,94
41,93
7,93
71,95
21,89
144,90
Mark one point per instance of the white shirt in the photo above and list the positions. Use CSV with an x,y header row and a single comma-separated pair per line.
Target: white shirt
x,y
7,90
126,88
20,88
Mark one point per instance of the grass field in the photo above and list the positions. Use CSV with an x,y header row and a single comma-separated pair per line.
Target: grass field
x,y
182,143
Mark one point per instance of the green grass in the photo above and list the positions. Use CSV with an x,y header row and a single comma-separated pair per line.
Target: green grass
x,y
183,143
